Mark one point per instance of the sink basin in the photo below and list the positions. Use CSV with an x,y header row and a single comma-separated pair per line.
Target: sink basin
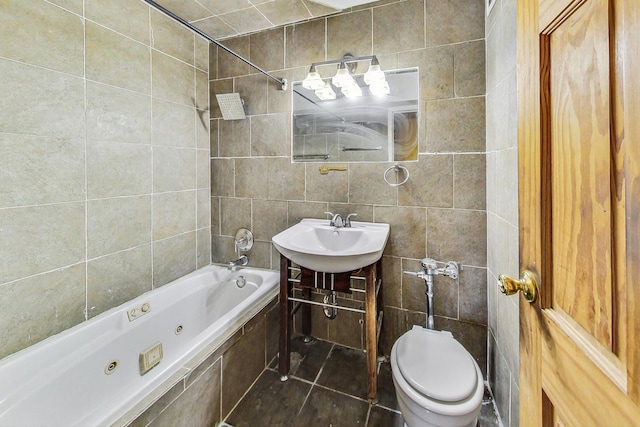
x,y
314,244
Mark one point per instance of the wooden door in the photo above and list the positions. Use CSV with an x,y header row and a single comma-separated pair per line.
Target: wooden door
x,y
579,206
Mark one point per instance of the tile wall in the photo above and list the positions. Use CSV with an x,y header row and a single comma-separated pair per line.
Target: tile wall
x,y
502,206
104,143
440,212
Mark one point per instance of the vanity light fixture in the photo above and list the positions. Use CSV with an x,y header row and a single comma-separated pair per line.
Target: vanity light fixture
x,y
343,79
326,92
313,81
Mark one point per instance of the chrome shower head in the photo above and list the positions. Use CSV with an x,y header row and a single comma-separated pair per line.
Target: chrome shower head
x,y
231,106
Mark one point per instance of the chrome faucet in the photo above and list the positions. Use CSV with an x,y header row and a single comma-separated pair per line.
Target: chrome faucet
x,y
243,260
338,222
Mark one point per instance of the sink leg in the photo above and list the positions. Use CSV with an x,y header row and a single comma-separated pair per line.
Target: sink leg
x,y
370,332
285,318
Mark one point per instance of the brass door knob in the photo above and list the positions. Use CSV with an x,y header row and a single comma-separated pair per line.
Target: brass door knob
x,y
527,284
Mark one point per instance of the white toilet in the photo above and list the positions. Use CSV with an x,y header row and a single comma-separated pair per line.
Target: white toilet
x,y
438,383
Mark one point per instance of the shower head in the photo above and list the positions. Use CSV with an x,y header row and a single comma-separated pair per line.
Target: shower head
x,y
231,106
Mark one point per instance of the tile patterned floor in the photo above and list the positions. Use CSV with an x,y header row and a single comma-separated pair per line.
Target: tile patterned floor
x,y
327,387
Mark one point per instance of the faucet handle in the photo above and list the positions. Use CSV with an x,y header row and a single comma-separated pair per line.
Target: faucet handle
x,y
329,213
347,221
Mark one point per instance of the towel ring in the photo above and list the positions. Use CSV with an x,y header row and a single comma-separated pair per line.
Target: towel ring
x,y
396,168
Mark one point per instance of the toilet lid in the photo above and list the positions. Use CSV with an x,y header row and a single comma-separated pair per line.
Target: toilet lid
x,y
436,365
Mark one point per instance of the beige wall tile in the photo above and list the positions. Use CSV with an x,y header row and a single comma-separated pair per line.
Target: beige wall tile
x,y
118,115
203,208
38,170
332,187
171,37
408,230
436,65
457,235
60,44
456,125
470,75
281,12
234,138
269,217
173,124
115,169
117,224
270,135
74,6
285,180
173,80
300,210
174,169
251,176
173,258
430,182
473,295
36,306
201,53
202,91
204,173
399,27
305,43
127,17
55,236
118,278
267,49
203,256
246,20
366,185
40,102
116,60
469,183
253,91
223,177
228,64
173,213
453,21
342,40
234,214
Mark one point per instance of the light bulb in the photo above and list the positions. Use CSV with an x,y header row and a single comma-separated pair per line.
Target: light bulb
x,y
326,92
374,74
342,77
352,90
313,81
379,88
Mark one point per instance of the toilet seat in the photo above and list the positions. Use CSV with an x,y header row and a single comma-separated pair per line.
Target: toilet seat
x,y
435,365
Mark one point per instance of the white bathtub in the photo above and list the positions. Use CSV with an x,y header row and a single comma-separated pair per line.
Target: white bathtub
x,y
62,381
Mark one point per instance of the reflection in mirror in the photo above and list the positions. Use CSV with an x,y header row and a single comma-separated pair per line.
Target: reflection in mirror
x,y
362,128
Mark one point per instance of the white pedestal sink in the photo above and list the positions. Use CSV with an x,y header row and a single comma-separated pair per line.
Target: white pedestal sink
x,y
314,244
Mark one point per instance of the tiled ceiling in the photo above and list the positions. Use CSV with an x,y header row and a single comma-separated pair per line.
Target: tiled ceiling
x,y
227,18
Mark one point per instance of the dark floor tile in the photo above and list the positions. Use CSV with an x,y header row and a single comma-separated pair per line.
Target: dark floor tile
x,y
381,417
270,402
306,358
328,408
386,390
488,417
345,370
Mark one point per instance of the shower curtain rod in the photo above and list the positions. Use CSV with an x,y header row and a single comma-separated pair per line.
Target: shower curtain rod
x,y
283,82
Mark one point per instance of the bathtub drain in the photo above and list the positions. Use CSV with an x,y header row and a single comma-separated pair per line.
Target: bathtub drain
x,y
111,367
179,330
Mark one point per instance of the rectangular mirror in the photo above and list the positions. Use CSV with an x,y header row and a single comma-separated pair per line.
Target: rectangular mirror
x,y
358,129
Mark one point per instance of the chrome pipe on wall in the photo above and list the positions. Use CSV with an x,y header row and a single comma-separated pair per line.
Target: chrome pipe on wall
x,y
283,82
